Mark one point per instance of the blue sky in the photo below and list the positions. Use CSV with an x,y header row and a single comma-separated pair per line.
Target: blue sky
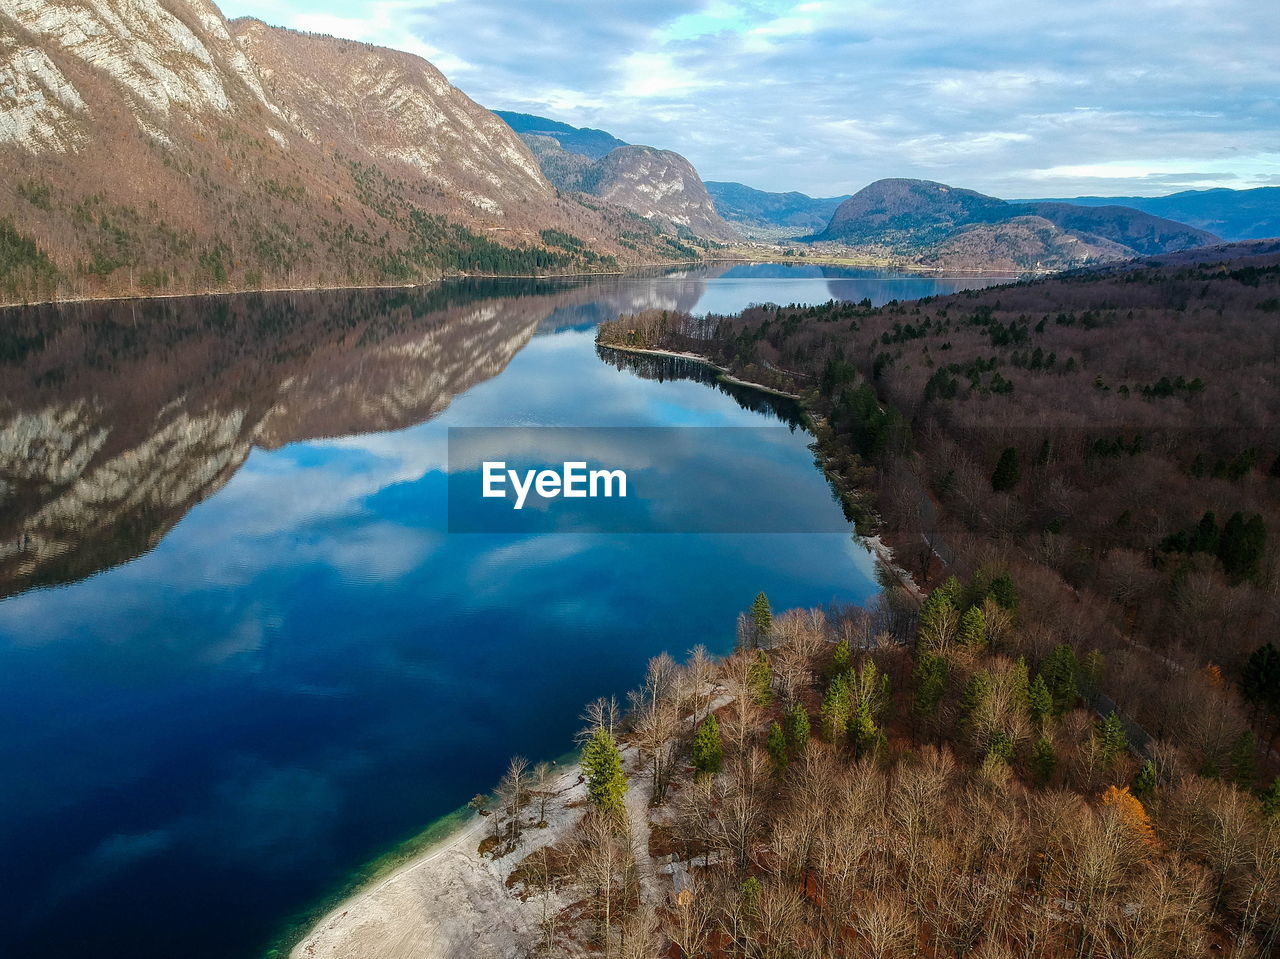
x,y
1037,98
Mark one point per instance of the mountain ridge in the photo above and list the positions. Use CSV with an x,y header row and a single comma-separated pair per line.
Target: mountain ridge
x,y
165,149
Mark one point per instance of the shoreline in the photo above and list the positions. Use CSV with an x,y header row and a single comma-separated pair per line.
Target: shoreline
x,y
724,373
637,268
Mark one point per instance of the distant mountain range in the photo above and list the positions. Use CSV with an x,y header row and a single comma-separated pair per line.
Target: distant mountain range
x,y
1231,214
757,210
955,227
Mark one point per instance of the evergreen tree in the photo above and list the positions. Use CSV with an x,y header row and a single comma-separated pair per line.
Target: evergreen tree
x,y
1271,799
1111,737
1059,673
1243,760
1039,702
1242,546
1004,592
776,744
1044,759
797,729
708,747
973,628
840,658
863,732
930,681
762,618
1260,681
602,768
1007,472
1146,781
836,710
1001,748
761,678
977,692
1089,674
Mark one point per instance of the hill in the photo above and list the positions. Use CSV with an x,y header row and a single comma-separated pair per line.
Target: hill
x,y
952,227
1231,214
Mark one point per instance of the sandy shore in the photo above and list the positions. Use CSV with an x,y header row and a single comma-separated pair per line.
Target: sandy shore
x,y
450,902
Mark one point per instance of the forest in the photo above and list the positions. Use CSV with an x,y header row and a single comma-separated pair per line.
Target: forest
x,y
1052,754
901,781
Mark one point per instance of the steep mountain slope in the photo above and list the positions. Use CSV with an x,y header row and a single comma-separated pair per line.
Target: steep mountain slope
x,y
155,146
759,210
581,140
659,185
951,226
1231,214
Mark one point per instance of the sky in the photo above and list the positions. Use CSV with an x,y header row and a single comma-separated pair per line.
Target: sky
x,y
1038,98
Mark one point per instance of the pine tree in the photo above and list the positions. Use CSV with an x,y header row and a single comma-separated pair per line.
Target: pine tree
x,y
776,744
836,710
977,692
708,747
1146,781
1004,592
1260,681
602,768
1007,472
973,628
1039,702
840,658
863,732
797,729
761,678
762,618
1001,747
1060,672
1271,799
1111,737
930,681
1044,759
1243,760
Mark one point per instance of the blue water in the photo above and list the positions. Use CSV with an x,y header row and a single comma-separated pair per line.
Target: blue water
x,y
240,654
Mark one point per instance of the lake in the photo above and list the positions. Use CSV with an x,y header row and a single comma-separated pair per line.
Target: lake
x,y
240,654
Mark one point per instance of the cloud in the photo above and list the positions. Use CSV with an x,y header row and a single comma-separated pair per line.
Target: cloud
x,y
827,96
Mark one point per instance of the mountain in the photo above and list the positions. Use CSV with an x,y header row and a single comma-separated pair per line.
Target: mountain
x,y
910,213
659,185
1139,231
1231,214
158,147
581,140
956,227
757,210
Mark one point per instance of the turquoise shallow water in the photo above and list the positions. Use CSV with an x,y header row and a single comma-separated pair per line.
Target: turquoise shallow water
x,y
240,654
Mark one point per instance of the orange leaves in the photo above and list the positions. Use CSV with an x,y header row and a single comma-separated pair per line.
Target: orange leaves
x,y
1131,812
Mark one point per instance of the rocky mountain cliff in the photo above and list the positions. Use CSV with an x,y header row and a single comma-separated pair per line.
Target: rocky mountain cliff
x,y
659,185
151,145
954,227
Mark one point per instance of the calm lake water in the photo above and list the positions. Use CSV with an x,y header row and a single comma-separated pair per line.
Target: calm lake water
x,y
239,653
